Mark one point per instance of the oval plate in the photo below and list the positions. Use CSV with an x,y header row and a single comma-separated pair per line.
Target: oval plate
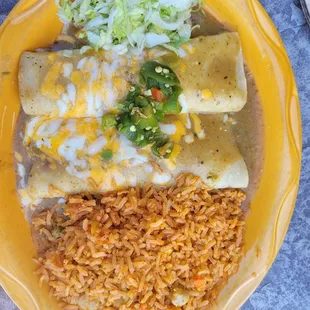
x,y
34,24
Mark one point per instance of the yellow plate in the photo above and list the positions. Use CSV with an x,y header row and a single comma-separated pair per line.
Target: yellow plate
x,y
34,24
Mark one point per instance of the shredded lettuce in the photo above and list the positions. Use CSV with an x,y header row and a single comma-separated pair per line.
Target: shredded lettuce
x,y
120,25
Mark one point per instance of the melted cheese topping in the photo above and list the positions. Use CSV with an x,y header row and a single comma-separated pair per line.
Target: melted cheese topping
x,y
168,129
51,57
180,131
128,155
206,93
172,161
78,143
161,178
88,86
197,126
189,138
185,119
49,87
67,69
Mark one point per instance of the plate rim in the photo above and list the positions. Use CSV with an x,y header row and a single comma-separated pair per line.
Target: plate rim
x,y
266,27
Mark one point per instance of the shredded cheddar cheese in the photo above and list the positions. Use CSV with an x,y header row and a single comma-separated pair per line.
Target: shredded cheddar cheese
x,y
206,93
182,67
197,123
197,126
52,57
77,78
88,85
174,155
180,131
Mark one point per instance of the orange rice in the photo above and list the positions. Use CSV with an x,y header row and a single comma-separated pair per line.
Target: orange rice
x,y
167,248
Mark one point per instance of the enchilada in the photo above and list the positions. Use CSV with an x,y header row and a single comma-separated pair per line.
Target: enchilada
x,y
69,84
70,153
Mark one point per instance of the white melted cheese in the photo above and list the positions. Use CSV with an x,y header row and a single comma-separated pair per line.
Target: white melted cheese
x,y
67,69
95,66
66,53
97,146
69,148
90,103
201,134
161,178
98,102
119,178
183,103
81,63
71,125
148,168
189,138
109,70
43,143
62,108
22,173
31,126
49,128
127,152
188,123
168,129
71,93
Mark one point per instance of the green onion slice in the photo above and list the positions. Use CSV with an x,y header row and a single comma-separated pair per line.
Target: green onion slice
x,y
107,155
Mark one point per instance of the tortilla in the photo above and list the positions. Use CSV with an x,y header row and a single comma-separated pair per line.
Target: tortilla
x,y
70,85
